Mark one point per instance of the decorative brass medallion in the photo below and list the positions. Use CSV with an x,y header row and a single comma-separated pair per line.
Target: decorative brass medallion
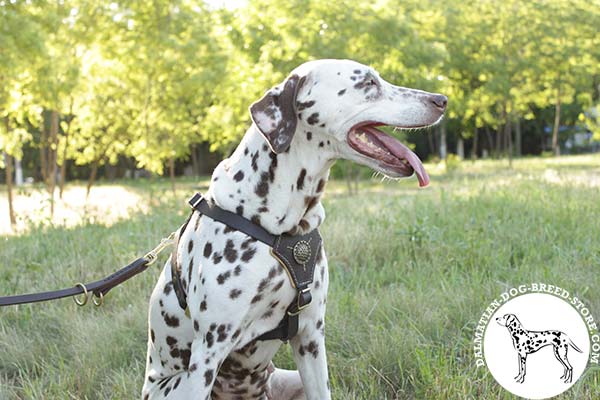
x,y
301,252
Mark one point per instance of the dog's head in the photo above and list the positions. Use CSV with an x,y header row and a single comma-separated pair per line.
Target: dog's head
x,y
508,320
338,105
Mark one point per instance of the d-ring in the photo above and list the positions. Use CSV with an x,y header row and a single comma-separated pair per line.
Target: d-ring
x,y
85,295
99,302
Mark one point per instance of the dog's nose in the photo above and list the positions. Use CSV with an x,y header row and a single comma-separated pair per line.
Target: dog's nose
x,y
440,101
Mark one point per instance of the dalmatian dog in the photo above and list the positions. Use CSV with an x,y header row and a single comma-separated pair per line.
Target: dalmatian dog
x,y
528,342
236,290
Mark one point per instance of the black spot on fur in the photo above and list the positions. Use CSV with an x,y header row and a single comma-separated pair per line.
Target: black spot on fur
x,y
300,181
262,187
256,299
171,341
207,250
302,106
217,258
223,277
255,219
208,377
171,321
254,162
277,286
248,254
190,269
152,336
313,119
321,185
223,332
239,176
239,210
272,166
341,92
321,144
235,293
190,246
237,270
196,325
168,288
230,252
308,135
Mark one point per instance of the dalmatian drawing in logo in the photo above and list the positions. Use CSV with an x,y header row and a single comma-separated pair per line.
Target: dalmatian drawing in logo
x,y
528,342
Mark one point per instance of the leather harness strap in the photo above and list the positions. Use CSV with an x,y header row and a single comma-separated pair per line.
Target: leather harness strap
x,y
296,254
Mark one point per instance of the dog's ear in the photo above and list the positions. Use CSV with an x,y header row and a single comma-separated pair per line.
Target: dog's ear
x,y
275,114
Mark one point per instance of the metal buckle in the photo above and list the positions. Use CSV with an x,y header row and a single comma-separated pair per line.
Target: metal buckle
x,y
195,202
300,307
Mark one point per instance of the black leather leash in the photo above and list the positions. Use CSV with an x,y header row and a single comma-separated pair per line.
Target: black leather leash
x,y
98,288
296,254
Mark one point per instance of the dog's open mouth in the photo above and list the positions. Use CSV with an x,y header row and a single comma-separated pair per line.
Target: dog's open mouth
x,y
392,155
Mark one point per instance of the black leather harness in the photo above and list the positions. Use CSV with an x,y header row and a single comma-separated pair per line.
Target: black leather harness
x,y
297,255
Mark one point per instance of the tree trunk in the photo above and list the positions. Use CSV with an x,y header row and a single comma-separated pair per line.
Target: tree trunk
x,y
43,148
508,139
53,152
8,160
518,149
555,146
475,144
430,143
92,178
195,166
490,141
497,151
443,142
460,147
64,162
172,174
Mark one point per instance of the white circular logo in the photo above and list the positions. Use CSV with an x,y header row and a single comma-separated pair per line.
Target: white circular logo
x,y
536,345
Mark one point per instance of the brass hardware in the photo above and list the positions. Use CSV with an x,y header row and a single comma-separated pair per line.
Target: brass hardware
x,y
100,300
152,256
85,295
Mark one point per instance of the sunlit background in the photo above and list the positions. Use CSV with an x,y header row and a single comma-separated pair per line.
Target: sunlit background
x,y
94,91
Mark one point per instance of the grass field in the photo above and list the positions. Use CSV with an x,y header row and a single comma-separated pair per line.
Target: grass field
x,y
411,272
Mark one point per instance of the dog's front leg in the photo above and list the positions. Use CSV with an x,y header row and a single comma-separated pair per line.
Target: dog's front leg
x,y
309,353
308,346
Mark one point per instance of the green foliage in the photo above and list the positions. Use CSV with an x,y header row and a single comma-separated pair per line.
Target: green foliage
x,y
148,79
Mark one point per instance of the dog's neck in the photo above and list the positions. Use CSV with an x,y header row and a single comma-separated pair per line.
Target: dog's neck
x,y
280,192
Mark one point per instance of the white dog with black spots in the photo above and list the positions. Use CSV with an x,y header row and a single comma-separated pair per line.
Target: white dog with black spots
x,y
325,110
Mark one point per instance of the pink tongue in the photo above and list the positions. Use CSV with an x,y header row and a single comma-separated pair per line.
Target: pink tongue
x,y
401,151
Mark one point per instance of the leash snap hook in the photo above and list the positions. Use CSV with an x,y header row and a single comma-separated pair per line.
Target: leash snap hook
x,y
85,294
152,256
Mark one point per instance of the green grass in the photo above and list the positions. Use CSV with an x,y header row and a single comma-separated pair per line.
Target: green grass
x,y
411,272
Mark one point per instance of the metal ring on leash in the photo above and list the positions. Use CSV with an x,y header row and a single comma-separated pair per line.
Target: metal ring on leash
x,y
99,302
85,294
